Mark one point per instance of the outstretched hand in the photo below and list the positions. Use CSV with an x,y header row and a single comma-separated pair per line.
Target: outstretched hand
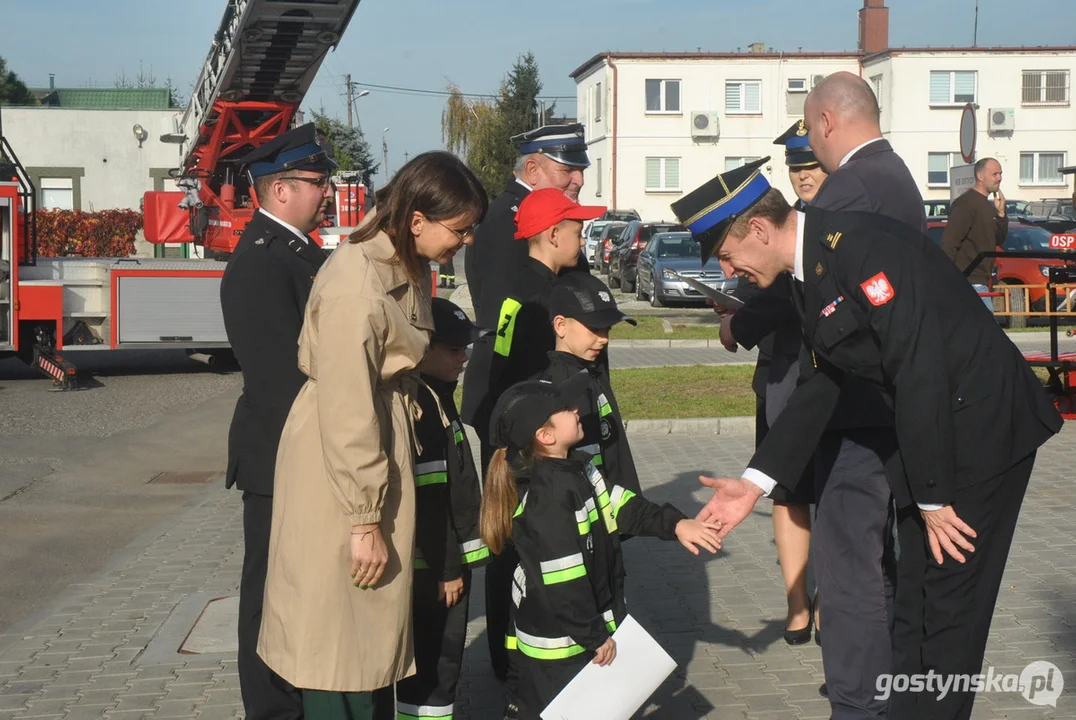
x,y
733,500
947,533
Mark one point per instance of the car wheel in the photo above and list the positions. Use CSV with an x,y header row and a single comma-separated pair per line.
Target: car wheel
x,y
639,294
655,299
627,286
1016,304
613,282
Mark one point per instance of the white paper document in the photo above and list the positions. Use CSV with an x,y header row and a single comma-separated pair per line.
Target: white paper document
x,y
722,299
615,692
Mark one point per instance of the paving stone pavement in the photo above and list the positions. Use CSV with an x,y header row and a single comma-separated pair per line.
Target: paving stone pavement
x,y
107,647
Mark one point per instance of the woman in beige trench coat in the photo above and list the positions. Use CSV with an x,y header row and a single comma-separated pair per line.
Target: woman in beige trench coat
x,y
337,615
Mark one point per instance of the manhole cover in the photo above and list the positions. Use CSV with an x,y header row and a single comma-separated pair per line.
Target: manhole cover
x,y
184,478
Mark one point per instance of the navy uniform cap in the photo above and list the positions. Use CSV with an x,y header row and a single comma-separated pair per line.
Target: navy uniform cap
x,y
710,210
564,143
584,297
798,152
451,326
297,149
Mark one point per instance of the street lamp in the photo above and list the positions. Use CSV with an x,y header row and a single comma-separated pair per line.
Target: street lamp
x,y
385,153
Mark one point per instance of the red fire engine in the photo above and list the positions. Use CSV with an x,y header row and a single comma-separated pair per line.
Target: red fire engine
x,y
263,58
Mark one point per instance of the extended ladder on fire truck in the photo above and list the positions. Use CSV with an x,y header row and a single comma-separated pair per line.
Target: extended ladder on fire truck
x,y
261,62
263,59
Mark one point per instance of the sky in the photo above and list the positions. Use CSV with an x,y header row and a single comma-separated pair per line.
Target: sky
x,y
425,44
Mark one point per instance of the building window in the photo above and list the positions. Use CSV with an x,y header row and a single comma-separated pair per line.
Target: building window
x,y
797,85
876,85
1042,168
952,87
663,96
1046,87
938,164
598,168
662,174
731,163
57,193
743,97
598,103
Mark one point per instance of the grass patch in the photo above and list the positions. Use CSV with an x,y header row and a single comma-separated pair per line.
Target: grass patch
x,y
694,391
652,328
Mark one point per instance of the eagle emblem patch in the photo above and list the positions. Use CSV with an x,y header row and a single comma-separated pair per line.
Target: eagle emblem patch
x,y
878,289
606,297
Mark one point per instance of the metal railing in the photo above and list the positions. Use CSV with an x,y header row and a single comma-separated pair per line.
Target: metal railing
x,y
27,190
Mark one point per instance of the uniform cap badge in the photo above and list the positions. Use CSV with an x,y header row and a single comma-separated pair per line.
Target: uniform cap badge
x,y
801,130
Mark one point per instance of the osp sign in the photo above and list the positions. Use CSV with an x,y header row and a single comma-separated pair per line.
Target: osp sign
x,y
1063,242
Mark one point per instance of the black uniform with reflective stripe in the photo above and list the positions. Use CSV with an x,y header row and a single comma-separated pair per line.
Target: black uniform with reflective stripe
x,y
603,428
569,585
519,346
448,546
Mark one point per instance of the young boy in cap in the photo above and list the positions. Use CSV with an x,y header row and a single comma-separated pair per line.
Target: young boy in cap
x,y
583,311
448,545
552,226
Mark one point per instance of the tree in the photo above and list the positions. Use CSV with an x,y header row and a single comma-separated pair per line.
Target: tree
x,y
481,131
13,90
145,79
349,147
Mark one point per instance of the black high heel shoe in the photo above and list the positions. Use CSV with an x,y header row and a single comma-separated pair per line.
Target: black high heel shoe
x,y
803,635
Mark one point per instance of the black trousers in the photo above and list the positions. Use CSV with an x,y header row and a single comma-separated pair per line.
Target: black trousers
x,y
266,696
853,557
440,635
944,611
498,590
539,681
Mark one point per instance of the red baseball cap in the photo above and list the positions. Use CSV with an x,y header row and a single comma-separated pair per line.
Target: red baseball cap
x,y
542,209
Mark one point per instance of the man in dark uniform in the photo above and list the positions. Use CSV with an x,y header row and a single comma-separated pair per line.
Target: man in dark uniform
x,y
878,301
550,156
263,297
852,534
550,227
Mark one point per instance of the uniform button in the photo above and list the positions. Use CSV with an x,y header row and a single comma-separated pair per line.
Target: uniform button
x,y
960,400
931,483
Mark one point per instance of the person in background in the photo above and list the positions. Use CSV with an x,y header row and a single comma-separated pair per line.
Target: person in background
x,y
448,546
337,613
446,275
263,296
976,225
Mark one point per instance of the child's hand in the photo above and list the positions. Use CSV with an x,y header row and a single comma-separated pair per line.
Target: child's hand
x,y
693,532
450,591
606,653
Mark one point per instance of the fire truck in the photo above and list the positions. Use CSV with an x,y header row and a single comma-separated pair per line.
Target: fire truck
x,y
261,62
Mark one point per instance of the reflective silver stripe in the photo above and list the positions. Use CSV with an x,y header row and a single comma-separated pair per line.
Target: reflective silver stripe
x,y
519,585
596,479
544,643
581,515
593,449
456,427
607,616
591,506
425,711
563,563
472,545
616,496
602,400
431,467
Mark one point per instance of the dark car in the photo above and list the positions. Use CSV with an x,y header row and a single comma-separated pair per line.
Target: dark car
x,y
625,254
610,234
669,254
620,215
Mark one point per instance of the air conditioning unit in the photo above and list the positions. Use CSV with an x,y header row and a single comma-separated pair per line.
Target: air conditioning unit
x,y
705,124
1002,120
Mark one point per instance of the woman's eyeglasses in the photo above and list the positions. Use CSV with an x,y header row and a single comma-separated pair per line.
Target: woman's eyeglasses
x,y
462,235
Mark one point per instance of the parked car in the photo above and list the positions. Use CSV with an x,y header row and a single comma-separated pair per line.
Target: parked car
x,y
592,234
936,208
678,252
610,234
625,254
620,215
1018,271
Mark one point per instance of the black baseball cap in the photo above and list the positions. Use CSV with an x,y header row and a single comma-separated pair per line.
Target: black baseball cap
x,y
525,407
451,326
584,297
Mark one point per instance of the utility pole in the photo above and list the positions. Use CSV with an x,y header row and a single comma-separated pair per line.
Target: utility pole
x,y
975,33
350,102
385,154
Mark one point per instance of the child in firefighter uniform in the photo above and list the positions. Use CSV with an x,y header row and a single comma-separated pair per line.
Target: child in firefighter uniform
x,y
568,588
448,545
583,311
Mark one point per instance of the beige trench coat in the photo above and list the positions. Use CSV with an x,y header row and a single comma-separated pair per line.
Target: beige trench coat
x,y
345,459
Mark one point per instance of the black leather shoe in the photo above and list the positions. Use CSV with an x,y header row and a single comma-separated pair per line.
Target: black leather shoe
x,y
803,635
818,637
823,691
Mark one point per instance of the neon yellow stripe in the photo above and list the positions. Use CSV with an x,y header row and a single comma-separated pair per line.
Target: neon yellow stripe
x,y
597,460
546,654
459,436
510,642
559,576
437,478
604,410
611,626
475,555
623,500
421,564
584,527
506,326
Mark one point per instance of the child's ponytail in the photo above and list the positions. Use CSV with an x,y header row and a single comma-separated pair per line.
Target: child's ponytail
x,y
499,502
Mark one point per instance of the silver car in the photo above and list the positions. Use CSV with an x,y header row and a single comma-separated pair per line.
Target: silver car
x,y
677,252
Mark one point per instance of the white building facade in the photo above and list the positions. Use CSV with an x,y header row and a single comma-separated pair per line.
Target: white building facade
x,y
659,125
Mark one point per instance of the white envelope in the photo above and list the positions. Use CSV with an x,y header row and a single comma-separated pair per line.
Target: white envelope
x,y
615,692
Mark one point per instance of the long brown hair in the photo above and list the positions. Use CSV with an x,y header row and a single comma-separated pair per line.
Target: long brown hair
x,y
436,184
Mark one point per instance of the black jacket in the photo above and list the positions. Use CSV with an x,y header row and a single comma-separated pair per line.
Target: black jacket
x,y
882,303
569,587
495,248
604,437
519,346
447,490
263,297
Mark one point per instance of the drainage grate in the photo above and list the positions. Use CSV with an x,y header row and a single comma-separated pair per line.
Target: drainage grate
x,y
184,478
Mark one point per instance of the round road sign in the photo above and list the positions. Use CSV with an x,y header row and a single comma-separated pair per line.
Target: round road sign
x,y
967,133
